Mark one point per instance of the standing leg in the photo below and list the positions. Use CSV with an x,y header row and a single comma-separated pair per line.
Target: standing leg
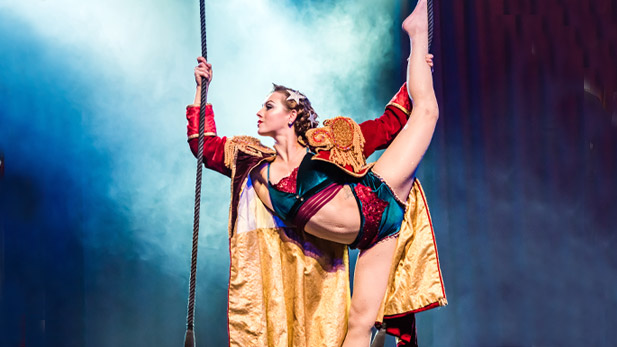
x,y
369,288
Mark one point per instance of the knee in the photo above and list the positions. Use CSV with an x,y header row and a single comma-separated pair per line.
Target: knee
x,y
360,321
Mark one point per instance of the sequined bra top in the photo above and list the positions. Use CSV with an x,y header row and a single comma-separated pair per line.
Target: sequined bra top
x,y
310,177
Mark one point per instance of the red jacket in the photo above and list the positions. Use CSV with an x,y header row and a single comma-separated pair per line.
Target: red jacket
x,y
378,133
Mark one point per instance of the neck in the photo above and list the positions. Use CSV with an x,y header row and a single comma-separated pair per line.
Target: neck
x,y
288,149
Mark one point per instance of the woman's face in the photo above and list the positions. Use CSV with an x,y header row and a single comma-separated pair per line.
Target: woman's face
x,y
274,116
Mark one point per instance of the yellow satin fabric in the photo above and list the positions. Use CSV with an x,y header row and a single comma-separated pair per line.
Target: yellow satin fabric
x,y
284,292
415,281
295,292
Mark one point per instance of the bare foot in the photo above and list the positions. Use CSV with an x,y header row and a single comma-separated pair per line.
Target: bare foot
x,y
417,22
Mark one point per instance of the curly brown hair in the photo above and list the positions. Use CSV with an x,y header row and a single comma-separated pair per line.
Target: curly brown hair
x,y
303,121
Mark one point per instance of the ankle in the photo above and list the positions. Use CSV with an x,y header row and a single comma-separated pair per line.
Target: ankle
x,y
416,23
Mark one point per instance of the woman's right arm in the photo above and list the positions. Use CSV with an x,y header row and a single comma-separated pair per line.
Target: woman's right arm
x,y
214,146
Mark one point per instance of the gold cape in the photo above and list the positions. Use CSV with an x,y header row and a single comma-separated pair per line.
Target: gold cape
x,y
289,288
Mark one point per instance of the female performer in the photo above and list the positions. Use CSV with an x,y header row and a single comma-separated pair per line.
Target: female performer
x,y
316,179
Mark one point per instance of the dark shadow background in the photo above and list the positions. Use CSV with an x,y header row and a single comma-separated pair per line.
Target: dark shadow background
x,y
523,170
520,179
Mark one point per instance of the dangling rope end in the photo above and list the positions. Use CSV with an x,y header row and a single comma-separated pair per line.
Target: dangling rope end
x,y
189,338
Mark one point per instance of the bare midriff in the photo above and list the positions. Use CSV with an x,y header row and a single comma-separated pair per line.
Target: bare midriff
x,y
338,220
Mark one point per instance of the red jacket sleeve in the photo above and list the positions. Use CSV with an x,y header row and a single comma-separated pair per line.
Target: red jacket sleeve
x,y
214,146
378,133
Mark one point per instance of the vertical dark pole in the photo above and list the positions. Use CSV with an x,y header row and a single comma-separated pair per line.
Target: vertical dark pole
x,y
429,5
189,337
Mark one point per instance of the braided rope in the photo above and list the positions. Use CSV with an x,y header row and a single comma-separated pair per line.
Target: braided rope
x,y
189,338
429,4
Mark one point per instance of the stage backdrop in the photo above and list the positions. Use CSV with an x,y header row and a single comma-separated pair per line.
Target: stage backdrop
x,y
96,185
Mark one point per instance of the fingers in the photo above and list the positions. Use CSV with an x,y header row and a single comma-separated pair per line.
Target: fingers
x,y
429,59
202,70
202,61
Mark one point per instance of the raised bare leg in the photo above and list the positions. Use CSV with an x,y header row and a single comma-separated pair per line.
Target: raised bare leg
x,y
396,167
369,288
398,163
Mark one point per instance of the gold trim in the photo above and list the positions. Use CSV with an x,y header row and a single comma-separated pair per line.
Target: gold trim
x,y
230,228
197,135
230,155
343,138
247,144
407,112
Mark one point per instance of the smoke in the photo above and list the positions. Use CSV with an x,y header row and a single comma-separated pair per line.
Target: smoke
x,y
140,59
107,83
328,51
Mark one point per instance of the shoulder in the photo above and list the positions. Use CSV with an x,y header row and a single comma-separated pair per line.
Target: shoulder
x,y
340,141
246,146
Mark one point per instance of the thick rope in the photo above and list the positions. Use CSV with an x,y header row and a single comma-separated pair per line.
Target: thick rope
x,y
429,5
189,337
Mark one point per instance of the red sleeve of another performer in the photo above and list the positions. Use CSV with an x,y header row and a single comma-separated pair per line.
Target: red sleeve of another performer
x,y
214,146
379,133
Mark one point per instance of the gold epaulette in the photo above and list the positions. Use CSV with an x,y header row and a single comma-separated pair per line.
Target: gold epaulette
x,y
343,138
245,144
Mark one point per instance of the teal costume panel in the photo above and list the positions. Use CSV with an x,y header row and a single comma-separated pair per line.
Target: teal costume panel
x,y
381,213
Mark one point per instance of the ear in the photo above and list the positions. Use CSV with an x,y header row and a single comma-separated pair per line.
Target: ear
x,y
292,116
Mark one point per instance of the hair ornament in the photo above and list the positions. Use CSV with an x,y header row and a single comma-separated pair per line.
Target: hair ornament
x,y
295,96
313,119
